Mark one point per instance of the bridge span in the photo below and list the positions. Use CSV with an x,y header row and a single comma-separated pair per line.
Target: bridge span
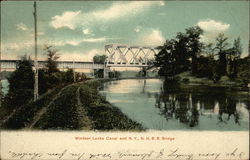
x,y
7,65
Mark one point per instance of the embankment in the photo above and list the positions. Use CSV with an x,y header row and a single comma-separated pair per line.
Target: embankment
x,y
74,107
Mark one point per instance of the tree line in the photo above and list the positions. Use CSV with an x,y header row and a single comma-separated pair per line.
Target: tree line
x,y
21,81
186,52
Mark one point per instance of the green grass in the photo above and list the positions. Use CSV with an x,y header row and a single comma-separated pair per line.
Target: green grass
x,y
102,113
74,107
24,114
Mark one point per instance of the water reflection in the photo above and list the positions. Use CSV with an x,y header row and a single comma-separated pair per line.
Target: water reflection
x,y
156,106
188,105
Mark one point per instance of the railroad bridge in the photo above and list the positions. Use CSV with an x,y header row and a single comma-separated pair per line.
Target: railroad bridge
x,y
118,55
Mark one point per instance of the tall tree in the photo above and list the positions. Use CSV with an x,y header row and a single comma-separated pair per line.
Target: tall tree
x,y
221,46
53,56
233,55
174,56
165,60
237,48
194,46
21,84
209,50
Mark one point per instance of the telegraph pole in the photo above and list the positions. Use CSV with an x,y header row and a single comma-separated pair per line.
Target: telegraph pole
x,y
74,73
35,61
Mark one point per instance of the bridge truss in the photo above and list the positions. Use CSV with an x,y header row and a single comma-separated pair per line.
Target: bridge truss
x,y
129,56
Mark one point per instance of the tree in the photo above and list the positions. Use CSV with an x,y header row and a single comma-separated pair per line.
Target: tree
x,y
209,50
21,84
233,55
237,48
174,56
50,76
52,57
221,46
194,46
99,59
167,61
114,74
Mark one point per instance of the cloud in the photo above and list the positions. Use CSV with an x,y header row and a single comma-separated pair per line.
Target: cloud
x,y
154,37
118,10
68,19
138,28
21,27
211,29
162,3
77,42
15,46
87,31
213,26
82,56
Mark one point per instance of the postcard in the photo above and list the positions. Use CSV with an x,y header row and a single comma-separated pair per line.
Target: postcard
x,y
129,80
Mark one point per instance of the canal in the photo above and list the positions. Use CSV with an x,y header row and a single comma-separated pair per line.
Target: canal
x,y
186,107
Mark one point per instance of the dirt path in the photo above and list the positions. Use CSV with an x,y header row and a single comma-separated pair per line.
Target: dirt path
x,y
84,121
5,119
42,111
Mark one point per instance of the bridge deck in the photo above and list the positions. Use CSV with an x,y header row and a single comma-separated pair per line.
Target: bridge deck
x,y
11,64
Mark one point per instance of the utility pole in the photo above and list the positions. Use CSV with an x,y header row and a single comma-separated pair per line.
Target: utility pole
x,y
74,73
1,96
35,61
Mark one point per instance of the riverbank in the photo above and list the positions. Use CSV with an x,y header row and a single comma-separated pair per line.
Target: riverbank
x,y
186,107
77,106
186,78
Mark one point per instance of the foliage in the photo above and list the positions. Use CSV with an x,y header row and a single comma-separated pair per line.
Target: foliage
x,y
52,57
104,115
221,46
186,52
24,115
244,70
194,46
175,55
51,76
21,84
99,59
115,74
62,112
98,73
68,76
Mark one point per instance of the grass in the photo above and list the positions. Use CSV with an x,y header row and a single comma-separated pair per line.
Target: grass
x,y
74,107
24,114
103,115
186,77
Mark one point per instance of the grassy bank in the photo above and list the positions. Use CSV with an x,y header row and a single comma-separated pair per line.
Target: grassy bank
x,y
103,115
75,107
24,115
187,78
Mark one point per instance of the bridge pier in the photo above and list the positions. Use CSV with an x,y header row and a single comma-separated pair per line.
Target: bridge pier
x,y
106,71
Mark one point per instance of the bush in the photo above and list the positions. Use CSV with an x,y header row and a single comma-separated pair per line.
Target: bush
x,y
21,85
185,80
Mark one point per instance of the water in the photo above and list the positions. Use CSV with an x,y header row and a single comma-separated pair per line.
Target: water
x,y
189,107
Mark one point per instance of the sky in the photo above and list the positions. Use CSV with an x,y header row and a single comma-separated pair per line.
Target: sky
x,y
80,29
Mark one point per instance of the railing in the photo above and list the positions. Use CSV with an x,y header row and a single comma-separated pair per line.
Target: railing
x,y
12,64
